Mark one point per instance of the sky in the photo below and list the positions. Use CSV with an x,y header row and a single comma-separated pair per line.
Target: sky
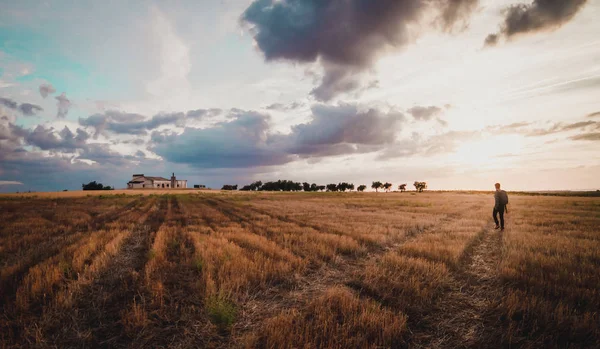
x,y
458,93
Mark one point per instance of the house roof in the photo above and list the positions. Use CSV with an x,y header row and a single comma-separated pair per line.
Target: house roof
x,y
136,181
157,178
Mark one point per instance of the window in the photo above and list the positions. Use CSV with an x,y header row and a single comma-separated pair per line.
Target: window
x,y
167,185
177,185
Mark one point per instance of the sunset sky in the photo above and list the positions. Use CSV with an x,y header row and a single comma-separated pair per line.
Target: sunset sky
x,y
458,93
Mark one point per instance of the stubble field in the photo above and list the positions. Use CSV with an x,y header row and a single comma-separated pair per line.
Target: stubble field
x,y
298,270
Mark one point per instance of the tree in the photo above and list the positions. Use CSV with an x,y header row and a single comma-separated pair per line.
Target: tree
x,y
387,186
230,187
306,186
376,185
361,187
402,187
420,186
321,187
351,186
314,187
95,186
332,187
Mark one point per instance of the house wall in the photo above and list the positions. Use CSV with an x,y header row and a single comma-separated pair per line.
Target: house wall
x,y
159,184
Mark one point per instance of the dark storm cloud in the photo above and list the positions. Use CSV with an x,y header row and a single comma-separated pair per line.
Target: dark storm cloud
x,y
595,136
247,141
540,15
63,104
46,89
29,109
346,36
424,113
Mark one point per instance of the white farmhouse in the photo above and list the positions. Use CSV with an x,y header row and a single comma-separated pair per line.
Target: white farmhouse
x,y
139,181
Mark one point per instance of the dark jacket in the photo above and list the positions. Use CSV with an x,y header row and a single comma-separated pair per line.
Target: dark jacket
x,y
500,199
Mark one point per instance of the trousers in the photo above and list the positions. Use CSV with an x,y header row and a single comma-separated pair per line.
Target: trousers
x,y
499,210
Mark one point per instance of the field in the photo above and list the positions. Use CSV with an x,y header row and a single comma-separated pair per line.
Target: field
x,y
298,270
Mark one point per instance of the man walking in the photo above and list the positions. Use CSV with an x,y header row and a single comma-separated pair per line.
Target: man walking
x,y
500,202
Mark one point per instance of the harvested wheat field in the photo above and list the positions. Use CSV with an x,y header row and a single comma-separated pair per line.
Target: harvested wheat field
x,y
298,270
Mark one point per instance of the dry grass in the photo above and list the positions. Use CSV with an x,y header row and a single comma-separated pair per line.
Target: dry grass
x,y
337,319
295,270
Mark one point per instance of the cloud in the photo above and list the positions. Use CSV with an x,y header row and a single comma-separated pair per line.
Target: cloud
x,y
46,89
491,40
343,129
203,113
593,115
525,128
539,15
559,127
29,109
174,55
247,141
241,142
65,140
285,107
63,106
26,109
436,144
10,183
136,124
595,136
424,113
344,36
9,103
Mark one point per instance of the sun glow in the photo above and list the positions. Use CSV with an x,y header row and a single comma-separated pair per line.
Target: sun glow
x,y
492,152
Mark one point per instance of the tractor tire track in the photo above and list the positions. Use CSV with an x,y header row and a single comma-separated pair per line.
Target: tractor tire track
x,y
461,317
313,284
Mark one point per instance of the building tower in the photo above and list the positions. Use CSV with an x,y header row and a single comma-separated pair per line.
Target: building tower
x,y
173,180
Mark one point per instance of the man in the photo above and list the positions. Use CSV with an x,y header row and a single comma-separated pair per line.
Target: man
x,y
500,202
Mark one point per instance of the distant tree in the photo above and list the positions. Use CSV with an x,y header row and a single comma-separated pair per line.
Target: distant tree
x,y
361,187
321,187
351,186
95,186
420,186
230,187
376,185
246,188
343,186
387,186
332,187
306,186
402,187
314,187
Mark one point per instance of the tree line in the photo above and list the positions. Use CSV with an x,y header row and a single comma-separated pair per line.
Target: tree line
x,y
95,186
286,185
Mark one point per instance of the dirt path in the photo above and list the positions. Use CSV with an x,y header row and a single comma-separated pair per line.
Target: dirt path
x,y
459,319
